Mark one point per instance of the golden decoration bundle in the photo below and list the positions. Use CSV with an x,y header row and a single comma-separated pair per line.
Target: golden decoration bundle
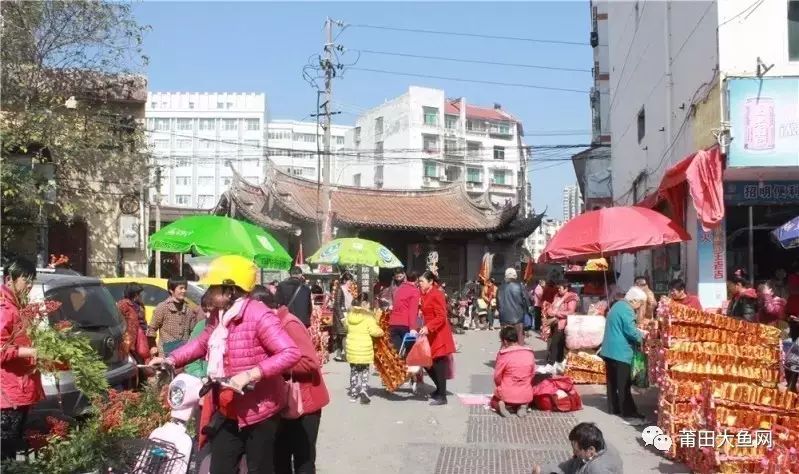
x,y
585,368
720,375
391,367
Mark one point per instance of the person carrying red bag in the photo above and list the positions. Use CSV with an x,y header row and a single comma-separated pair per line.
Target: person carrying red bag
x,y
439,333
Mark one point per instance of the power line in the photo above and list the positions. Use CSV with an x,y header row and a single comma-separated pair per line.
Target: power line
x,y
472,61
476,81
469,35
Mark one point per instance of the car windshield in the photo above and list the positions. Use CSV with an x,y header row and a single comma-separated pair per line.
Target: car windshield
x,y
89,306
194,292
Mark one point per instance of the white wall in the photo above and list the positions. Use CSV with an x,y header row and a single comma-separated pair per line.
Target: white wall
x,y
191,143
759,32
290,150
641,40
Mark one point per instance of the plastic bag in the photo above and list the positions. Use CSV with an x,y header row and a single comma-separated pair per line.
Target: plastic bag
x,y
584,331
639,375
420,354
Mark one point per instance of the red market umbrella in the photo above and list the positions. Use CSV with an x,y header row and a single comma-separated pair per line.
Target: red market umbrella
x,y
610,231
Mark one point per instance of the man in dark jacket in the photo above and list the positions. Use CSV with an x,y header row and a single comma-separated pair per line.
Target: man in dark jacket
x,y
513,303
294,293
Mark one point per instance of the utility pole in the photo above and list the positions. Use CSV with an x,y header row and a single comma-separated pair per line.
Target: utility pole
x,y
157,217
330,72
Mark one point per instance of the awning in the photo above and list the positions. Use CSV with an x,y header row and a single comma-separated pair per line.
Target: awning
x,y
703,175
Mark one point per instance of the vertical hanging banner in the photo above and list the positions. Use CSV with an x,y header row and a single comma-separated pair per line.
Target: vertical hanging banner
x,y
712,251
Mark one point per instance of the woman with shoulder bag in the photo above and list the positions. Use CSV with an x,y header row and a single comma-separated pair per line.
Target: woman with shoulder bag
x,y
295,443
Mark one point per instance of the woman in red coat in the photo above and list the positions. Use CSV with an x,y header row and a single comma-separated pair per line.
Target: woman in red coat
x,y
436,328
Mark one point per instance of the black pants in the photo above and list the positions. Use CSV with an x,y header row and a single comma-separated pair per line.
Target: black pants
x,y
619,384
557,345
12,423
490,318
537,318
397,334
257,442
296,440
340,345
438,373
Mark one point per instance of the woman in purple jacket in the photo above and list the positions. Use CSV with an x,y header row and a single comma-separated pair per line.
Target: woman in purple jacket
x,y
247,344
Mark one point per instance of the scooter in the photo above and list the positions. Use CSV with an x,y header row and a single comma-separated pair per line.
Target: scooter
x,y
171,450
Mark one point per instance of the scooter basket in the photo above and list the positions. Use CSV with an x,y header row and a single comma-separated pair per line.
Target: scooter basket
x,y
154,457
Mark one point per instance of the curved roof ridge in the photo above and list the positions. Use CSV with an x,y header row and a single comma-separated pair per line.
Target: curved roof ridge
x,y
457,189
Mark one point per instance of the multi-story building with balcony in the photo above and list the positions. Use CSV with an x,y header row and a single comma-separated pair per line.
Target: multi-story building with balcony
x,y
293,146
422,139
196,137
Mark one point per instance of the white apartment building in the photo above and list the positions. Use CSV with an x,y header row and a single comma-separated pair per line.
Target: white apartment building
x,y
539,239
293,146
672,70
572,202
196,136
422,139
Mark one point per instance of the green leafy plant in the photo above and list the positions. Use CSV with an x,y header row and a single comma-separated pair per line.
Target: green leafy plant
x,y
60,347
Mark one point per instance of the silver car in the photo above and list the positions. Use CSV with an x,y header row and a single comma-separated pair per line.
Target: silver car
x,y
91,309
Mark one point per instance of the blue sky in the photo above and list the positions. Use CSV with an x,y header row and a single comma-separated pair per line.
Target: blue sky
x,y
262,47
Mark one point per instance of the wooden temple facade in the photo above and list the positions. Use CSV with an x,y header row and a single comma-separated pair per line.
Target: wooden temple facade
x,y
412,224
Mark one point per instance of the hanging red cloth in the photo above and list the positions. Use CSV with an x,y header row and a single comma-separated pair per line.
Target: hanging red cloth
x,y
700,175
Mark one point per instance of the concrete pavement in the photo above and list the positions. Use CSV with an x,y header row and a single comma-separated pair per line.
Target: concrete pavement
x,y
401,433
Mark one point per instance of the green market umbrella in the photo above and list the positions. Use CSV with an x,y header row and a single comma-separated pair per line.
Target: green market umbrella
x,y
217,236
355,252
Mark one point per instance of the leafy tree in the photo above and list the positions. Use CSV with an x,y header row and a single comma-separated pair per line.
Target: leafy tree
x,y
70,88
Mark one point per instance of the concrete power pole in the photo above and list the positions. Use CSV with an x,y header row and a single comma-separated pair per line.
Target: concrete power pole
x,y
157,217
327,224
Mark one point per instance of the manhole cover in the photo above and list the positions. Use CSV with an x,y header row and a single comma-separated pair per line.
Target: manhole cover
x,y
463,460
538,428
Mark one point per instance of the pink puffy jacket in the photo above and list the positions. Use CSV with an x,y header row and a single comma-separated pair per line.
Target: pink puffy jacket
x,y
255,338
513,374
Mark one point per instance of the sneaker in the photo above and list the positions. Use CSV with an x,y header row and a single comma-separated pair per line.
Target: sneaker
x,y
353,399
438,401
521,412
547,369
502,409
635,421
559,367
365,400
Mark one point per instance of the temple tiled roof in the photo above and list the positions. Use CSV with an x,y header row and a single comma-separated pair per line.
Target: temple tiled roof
x,y
284,201
444,209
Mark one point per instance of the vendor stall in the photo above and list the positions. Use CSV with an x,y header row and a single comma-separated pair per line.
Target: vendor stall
x,y
720,398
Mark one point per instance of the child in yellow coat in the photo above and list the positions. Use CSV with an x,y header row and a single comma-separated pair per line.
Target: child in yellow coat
x,y
361,328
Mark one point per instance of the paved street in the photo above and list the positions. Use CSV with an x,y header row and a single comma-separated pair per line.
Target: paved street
x,y
399,433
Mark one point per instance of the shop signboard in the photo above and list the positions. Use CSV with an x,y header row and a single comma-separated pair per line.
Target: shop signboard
x,y
764,122
761,193
712,249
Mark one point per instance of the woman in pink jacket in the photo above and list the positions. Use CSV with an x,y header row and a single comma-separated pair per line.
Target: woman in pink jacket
x,y
247,344
513,374
565,304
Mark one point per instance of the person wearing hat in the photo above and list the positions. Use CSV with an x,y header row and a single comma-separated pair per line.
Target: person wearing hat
x,y
245,342
513,303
